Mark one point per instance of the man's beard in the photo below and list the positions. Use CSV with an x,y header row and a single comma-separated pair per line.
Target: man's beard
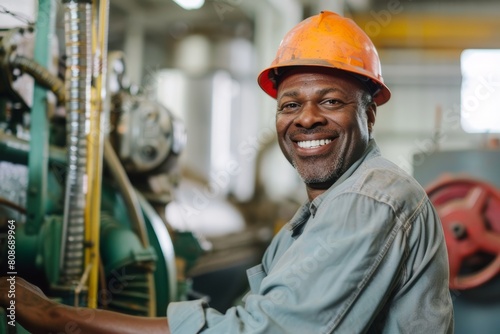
x,y
317,173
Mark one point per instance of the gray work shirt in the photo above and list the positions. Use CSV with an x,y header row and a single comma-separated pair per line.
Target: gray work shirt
x,y
366,256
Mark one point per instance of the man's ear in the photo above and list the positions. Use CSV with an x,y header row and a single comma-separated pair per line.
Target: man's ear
x,y
371,113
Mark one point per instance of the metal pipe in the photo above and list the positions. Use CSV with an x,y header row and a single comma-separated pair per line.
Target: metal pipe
x,y
77,19
16,150
12,205
39,139
134,207
41,75
128,192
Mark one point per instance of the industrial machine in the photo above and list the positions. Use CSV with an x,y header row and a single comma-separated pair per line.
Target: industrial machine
x,y
464,186
86,169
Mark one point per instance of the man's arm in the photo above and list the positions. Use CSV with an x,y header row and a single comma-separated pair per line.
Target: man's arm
x,y
335,276
38,314
423,301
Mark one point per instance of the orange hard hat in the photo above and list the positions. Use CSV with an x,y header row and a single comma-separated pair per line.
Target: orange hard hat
x,y
332,41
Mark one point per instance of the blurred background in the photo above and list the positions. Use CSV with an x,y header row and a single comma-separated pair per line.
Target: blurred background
x,y
186,71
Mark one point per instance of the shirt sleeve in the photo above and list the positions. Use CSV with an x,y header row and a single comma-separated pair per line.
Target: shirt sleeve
x,y
336,277
422,304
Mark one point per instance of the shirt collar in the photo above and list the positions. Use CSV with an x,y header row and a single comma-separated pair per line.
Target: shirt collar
x,y
310,208
300,217
370,151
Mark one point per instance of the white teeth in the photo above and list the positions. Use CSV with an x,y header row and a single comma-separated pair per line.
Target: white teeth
x,y
313,143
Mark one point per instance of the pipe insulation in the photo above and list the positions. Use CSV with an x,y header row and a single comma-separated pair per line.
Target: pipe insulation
x,y
77,22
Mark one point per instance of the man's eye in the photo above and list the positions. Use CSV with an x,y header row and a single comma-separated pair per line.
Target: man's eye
x,y
288,107
332,102
292,105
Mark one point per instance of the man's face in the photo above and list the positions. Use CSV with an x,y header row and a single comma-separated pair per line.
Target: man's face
x,y
322,124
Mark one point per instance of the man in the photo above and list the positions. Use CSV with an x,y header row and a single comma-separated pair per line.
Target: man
x,y
365,254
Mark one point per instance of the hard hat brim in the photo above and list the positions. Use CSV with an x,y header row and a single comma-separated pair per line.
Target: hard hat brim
x,y
267,82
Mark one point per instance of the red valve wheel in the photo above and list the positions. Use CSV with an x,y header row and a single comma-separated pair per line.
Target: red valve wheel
x,y
470,214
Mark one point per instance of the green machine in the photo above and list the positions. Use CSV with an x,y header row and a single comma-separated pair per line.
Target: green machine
x,y
85,171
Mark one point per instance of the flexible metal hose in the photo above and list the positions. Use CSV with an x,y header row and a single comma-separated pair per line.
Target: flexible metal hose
x,y
41,75
77,18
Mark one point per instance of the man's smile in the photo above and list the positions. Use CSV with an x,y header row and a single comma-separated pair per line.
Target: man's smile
x,y
313,143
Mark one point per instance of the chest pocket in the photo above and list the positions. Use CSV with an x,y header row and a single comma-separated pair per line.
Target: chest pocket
x,y
255,276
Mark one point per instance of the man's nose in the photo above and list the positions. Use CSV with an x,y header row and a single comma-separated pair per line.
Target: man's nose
x,y
310,116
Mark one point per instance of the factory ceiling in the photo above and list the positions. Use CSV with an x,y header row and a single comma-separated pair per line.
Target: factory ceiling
x,y
448,24
427,24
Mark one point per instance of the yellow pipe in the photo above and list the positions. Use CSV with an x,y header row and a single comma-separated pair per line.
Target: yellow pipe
x,y
90,253
95,150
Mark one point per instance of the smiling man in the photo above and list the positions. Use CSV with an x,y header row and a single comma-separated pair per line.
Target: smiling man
x,y
365,254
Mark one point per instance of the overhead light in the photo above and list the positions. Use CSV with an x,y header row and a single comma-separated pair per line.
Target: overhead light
x,y
190,4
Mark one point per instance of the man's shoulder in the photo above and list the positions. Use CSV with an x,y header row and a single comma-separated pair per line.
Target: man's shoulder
x,y
384,181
